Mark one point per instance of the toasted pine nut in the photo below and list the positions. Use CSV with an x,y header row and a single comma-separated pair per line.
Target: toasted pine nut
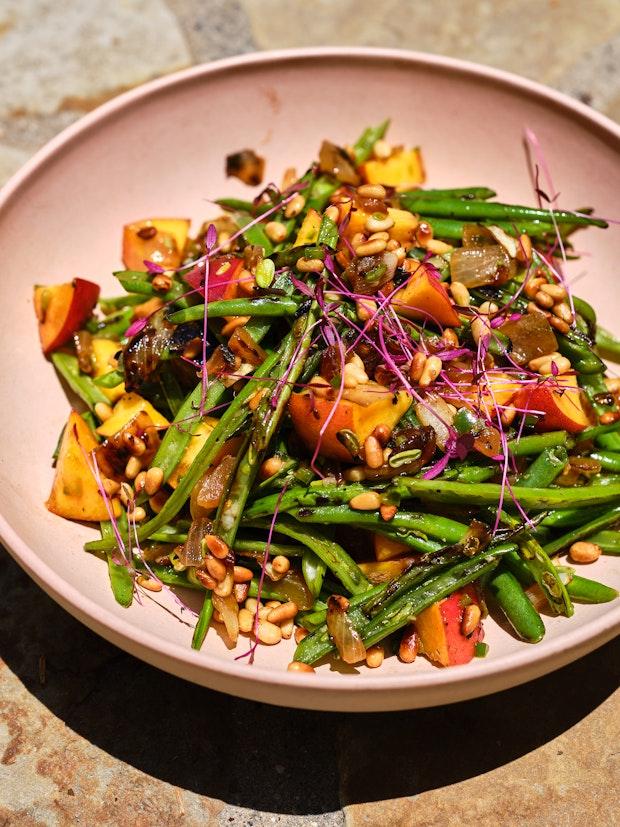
x,y
532,307
450,337
381,149
508,415
269,633
583,552
148,583
246,620
246,282
295,206
392,245
241,591
157,501
263,612
370,248
409,643
354,375
354,474
417,366
134,444
373,454
371,191
241,574
275,231
533,285
271,466
558,324
366,501
237,321
563,311
310,265
126,493
382,235
320,386
374,656
216,546
138,483
540,361
556,291
387,512
471,619
216,568
252,604
153,480
524,251
332,212
289,176
382,433
377,223
207,581
162,283
365,309
111,487
544,300
300,634
298,666
273,604
133,468
286,611
460,294
103,411
432,369
287,628
225,586
138,514
280,564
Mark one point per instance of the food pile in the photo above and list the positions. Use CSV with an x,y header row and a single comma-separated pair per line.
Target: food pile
x,y
352,410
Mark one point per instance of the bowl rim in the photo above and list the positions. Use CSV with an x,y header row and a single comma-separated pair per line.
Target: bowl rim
x,y
321,690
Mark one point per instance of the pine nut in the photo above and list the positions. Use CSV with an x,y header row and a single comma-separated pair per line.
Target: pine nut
x,y
417,366
332,212
237,321
382,433
382,235
392,245
365,309
533,285
381,149
126,493
563,311
540,361
320,386
366,501
270,467
298,666
207,581
225,586
374,656
216,568
534,308
471,619
409,644
280,564
289,177
111,487
583,552
138,514
370,248
162,283
295,206
450,337
133,468
431,371
286,611
354,475
157,501
252,604
310,265
543,300
387,512
558,324
153,480
287,628
269,633
134,444
354,375
524,252
609,417
358,238
148,583
275,231
373,453
300,634
376,224
138,483
508,415
241,591
460,294
556,291
246,620
217,547
372,191
103,411
263,612
241,574
246,282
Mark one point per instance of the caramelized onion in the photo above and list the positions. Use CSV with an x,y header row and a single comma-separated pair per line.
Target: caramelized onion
x,y
229,609
345,636
247,166
207,492
190,553
143,353
531,336
477,266
336,162
293,587
437,414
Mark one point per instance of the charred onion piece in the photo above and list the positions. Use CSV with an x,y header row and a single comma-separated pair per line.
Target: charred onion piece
x,y
247,166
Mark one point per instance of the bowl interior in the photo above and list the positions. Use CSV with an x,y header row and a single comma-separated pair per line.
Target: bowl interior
x,y
161,152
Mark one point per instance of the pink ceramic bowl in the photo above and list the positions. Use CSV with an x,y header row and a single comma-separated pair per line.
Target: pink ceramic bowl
x,y
160,150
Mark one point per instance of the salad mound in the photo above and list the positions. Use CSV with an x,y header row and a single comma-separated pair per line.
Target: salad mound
x,y
353,410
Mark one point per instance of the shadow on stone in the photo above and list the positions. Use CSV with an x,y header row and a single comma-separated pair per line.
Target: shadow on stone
x,y
266,758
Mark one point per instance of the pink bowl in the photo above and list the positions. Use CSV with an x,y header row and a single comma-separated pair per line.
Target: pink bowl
x,y
160,150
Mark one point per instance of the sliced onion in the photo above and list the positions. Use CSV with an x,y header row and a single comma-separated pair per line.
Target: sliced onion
x,y
477,266
336,162
436,413
507,241
190,553
207,492
347,639
142,355
293,587
229,609
531,336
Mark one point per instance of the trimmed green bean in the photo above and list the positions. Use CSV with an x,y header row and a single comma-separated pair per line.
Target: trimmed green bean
x,y
280,306
313,570
203,622
362,148
545,468
609,541
82,385
608,518
516,606
607,345
536,443
609,460
494,211
463,194
583,590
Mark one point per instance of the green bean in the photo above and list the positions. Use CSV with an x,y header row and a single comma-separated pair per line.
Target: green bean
x,y
408,537
579,352
319,193
463,194
121,577
110,305
169,537
536,443
494,211
570,517
609,442
362,148
231,421
111,379
255,234
608,518
170,577
545,468
596,390
328,232
256,548
135,281
332,554
609,460
313,570
586,311
596,431
264,306
515,604
239,205
113,328
82,385
583,590
609,541
203,622
607,345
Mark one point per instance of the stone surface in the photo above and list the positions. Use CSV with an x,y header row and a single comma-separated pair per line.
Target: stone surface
x,y
89,735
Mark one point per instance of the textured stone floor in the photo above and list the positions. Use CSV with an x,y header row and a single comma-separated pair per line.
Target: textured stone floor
x,y
89,735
